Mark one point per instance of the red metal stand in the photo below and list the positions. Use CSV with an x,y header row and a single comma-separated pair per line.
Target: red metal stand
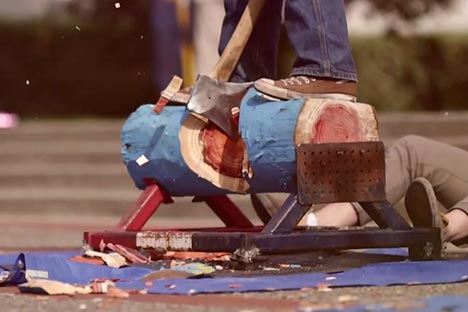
x,y
144,207
148,203
153,196
226,210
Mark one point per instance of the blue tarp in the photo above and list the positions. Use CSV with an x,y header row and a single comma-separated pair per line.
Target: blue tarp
x,y
57,266
383,274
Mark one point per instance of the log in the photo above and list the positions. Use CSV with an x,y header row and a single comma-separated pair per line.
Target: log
x,y
151,152
188,157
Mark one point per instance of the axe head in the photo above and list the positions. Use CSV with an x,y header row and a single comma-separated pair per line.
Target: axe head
x,y
215,99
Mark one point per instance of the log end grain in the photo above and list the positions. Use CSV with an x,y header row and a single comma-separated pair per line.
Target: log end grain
x,y
222,153
335,121
212,156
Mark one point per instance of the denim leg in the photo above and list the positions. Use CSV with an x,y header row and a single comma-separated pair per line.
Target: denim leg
x,y
318,32
259,59
165,36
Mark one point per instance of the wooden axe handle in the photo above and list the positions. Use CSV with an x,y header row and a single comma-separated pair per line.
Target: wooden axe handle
x,y
231,54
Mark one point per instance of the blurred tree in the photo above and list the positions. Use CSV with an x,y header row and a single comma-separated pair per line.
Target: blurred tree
x,y
405,11
421,77
134,14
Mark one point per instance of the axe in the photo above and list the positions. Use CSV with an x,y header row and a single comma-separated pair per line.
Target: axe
x,y
212,96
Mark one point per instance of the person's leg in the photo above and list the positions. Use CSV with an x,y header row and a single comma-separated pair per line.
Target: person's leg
x,y
337,214
423,210
446,167
259,58
319,34
443,165
324,66
165,36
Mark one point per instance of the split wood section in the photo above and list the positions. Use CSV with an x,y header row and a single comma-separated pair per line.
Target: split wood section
x,y
214,157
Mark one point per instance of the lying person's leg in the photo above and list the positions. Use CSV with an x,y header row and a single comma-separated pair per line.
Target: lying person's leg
x,y
443,165
423,210
338,214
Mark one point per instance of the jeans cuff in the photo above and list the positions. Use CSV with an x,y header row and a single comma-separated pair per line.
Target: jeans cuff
x,y
320,73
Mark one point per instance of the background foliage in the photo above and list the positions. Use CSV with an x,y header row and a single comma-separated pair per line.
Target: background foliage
x,y
103,67
403,10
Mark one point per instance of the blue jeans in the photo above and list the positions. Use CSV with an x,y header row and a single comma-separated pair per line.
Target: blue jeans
x,y
317,31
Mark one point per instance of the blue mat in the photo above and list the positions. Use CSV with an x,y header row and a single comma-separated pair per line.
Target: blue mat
x,y
397,273
56,266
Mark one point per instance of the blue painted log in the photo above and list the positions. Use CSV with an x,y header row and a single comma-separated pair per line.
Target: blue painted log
x,y
152,150
151,147
146,135
268,129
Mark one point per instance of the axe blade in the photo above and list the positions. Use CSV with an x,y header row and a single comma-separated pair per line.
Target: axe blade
x,y
214,99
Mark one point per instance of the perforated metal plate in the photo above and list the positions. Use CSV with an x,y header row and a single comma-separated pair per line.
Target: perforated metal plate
x,y
340,172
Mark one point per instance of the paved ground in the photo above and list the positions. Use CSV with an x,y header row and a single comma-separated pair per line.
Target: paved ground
x,y
60,178
402,298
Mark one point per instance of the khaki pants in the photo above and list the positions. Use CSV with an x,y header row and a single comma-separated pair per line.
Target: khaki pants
x,y
445,166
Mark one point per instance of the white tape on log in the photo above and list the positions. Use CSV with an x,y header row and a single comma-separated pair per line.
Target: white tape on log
x,y
164,241
142,160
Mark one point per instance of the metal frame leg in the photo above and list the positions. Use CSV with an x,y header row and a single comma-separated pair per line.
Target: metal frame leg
x,y
143,208
226,210
431,250
287,217
260,208
383,213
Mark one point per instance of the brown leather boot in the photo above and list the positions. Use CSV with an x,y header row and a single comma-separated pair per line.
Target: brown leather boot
x,y
305,86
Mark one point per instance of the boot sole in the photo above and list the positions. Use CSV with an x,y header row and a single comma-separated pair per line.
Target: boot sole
x,y
419,196
286,94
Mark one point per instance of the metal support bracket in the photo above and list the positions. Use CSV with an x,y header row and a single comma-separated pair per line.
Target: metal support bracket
x,y
340,172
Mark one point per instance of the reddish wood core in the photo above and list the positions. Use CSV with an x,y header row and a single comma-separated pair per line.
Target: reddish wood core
x,y
337,125
222,153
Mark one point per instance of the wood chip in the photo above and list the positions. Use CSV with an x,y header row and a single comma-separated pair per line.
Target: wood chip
x,y
115,292
323,287
88,260
51,287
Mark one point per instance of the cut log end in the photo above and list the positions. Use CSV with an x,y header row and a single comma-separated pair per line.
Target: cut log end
x,y
337,124
212,155
333,121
